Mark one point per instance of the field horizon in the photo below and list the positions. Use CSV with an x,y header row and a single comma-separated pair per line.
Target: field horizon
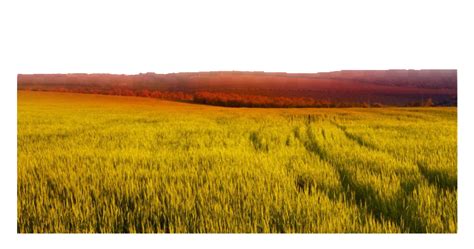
x,y
93,163
346,88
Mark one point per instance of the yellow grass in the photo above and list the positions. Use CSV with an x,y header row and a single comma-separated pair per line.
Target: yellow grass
x,y
92,163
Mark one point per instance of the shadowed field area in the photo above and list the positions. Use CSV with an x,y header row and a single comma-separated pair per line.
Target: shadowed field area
x,y
113,164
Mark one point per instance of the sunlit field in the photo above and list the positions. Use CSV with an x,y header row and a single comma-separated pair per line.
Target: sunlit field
x,y
109,164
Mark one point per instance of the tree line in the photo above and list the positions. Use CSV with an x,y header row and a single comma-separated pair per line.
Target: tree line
x,y
224,99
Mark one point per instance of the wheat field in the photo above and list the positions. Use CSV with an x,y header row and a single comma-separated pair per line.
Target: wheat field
x,y
109,164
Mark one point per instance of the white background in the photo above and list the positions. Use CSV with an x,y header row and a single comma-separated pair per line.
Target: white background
x,y
291,36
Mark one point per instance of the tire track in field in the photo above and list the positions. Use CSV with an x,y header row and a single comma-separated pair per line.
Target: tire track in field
x,y
431,177
349,187
359,140
413,224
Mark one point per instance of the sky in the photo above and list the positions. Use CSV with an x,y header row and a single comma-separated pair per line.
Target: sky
x,y
274,36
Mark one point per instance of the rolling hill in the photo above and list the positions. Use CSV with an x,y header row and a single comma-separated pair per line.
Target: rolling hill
x,y
262,89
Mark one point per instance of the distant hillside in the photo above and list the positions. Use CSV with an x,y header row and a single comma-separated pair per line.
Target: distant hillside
x,y
333,89
407,78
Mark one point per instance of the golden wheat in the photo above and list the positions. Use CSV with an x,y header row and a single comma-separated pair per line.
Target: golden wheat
x,y
90,163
